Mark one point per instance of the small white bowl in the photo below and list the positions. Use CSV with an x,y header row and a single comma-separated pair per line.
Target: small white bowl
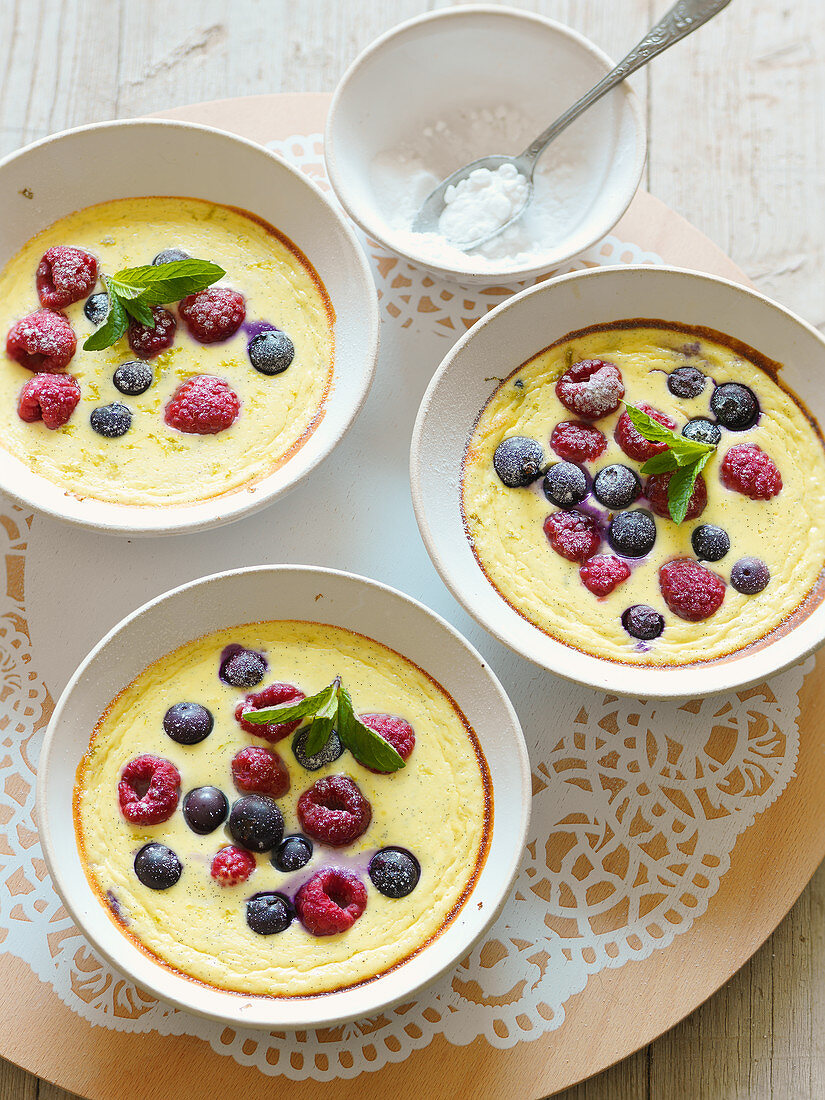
x,y
478,57
113,160
288,592
517,330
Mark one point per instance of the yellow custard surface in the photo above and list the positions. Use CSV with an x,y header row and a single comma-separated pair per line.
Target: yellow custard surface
x,y
154,464
787,532
439,807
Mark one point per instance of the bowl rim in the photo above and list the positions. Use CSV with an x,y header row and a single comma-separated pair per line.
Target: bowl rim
x,y
503,275
611,676
323,1019
227,508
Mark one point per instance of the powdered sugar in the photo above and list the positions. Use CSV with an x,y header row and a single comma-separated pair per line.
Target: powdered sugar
x,y
482,203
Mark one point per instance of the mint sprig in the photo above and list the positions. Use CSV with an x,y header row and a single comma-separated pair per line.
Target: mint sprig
x,y
684,459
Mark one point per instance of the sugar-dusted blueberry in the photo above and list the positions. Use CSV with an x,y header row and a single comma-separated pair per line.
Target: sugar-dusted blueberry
x,y
702,430
565,484
133,378
271,352
293,853
268,914
394,872
632,534
157,866
327,755
518,461
686,382
204,809
710,543
97,307
188,723
111,421
256,823
735,406
169,256
643,622
242,667
616,486
749,576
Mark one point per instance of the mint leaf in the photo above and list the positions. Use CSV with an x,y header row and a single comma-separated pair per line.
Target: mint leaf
x,y
680,487
137,308
116,324
649,428
170,282
660,464
368,747
288,712
323,722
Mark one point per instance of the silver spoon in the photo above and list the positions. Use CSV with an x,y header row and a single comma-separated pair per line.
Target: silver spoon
x,y
683,18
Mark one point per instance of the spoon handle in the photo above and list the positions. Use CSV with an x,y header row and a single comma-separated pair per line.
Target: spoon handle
x,y
683,18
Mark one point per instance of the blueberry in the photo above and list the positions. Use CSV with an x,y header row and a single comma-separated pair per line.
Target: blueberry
x,y
133,378
111,420
188,723
518,461
242,667
749,576
97,307
642,622
256,823
157,866
271,352
686,382
394,872
702,430
168,256
616,486
710,543
735,406
328,754
632,534
267,914
566,484
204,809
293,853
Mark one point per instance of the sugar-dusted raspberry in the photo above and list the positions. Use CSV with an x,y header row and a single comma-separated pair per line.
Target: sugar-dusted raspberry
x,y
275,695
572,534
603,573
232,865
395,731
203,405
65,275
330,902
690,590
42,341
577,442
334,811
656,493
148,790
51,398
747,469
261,770
147,342
633,443
214,314
591,388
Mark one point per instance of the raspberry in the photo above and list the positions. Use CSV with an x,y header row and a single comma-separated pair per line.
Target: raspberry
x,y
656,493
147,342
330,902
591,388
203,405
261,770
573,535
214,314
633,443
690,590
334,811
51,398
577,442
747,469
148,790
273,696
232,865
603,573
395,732
65,275
43,341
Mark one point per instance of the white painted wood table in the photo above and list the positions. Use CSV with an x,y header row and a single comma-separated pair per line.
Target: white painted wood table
x,y
736,123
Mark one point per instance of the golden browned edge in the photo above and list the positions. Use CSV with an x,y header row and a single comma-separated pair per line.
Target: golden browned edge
x,y
481,856
809,602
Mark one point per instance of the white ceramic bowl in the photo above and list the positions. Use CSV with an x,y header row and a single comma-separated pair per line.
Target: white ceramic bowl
x,y
114,160
482,57
516,331
248,595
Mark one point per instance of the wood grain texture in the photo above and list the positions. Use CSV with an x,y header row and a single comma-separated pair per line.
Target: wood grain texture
x,y
736,145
